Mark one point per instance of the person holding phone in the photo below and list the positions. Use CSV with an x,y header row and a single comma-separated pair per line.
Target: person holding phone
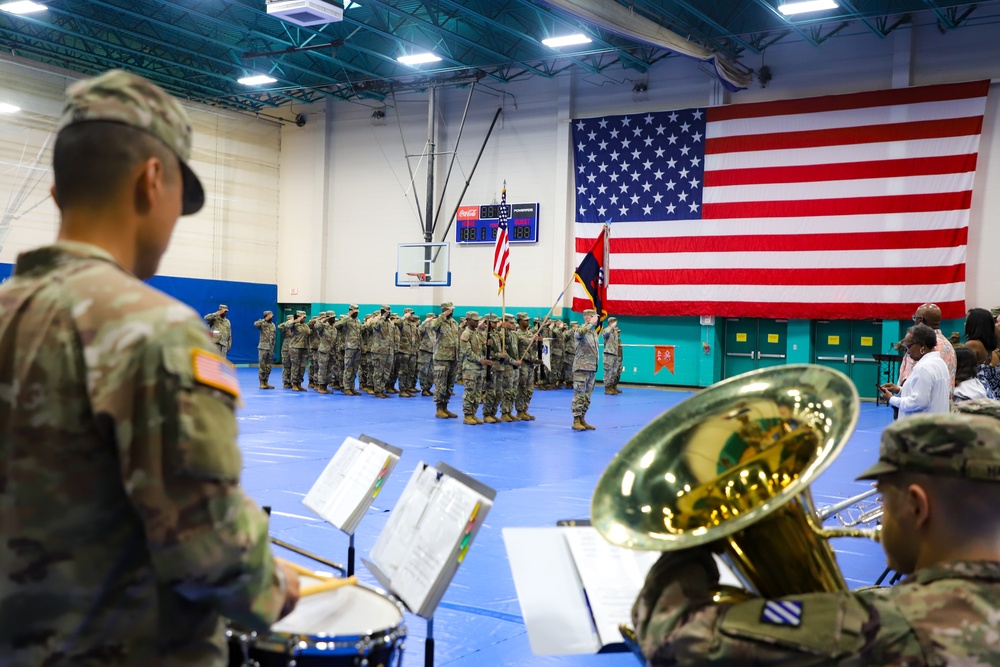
x,y
928,389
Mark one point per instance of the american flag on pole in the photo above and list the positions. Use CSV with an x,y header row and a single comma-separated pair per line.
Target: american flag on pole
x,y
841,207
501,251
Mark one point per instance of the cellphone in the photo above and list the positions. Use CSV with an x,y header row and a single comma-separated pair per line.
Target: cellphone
x,y
880,387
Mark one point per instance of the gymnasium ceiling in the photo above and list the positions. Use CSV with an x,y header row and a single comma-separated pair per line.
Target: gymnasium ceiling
x,y
198,48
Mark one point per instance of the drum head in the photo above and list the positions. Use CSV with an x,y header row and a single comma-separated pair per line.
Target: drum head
x,y
350,611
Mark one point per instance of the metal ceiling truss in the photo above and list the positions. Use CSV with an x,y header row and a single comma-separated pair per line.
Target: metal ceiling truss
x,y
198,48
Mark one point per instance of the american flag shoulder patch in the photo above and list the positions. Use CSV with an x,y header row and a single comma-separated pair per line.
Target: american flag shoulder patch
x,y
782,612
214,371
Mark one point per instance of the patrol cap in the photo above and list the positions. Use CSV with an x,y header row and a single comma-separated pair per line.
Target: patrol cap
x,y
353,308
122,97
446,305
589,311
223,306
407,311
471,315
981,406
523,316
268,312
953,444
290,317
508,317
386,307
429,316
612,320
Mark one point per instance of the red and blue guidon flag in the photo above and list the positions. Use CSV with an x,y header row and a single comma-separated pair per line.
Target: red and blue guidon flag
x,y
590,275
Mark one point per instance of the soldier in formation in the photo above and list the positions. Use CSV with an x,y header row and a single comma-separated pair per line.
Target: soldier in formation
x,y
528,344
475,367
584,369
349,330
286,357
425,355
265,348
612,356
222,329
446,358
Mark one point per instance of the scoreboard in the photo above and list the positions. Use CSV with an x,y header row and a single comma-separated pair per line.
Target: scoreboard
x,y
478,224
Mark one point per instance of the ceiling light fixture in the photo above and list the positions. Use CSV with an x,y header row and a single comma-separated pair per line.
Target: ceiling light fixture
x,y
256,80
22,7
803,6
8,108
566,40
418,59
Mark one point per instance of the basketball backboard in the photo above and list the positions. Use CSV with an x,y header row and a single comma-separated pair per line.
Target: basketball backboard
x,y
423,265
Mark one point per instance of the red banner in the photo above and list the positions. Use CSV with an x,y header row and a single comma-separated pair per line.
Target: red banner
x,y
664,358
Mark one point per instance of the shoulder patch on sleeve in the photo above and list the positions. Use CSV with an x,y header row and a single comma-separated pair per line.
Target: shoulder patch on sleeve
x,y
214,371
782,612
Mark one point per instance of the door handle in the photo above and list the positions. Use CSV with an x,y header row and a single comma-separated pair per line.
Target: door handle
x,y
842,359
860,359
740,354
762,355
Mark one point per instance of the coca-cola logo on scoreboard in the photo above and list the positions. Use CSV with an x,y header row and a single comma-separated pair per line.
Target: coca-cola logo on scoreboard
x,y
468,213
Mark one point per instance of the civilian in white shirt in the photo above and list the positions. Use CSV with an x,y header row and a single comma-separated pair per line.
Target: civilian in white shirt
x,y
928,389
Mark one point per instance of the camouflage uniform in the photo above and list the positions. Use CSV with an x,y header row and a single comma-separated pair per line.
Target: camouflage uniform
x,y
313,354
394,335
409,341
584,369
510,369
327,337
446,335
425,355
556,347
569,352
298,348
336,360
380,329
612,357
222,330
350,333
265,349
473,344
492,379
286,358
124,533
942,614
528,352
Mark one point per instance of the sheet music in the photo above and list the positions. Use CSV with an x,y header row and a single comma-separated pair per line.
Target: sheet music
x,y
424,533
344,489
612,578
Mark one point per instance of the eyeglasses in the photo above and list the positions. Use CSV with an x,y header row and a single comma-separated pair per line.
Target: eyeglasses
x,y
918,318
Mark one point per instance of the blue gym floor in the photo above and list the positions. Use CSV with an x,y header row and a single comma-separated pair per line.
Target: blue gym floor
x,y
542,471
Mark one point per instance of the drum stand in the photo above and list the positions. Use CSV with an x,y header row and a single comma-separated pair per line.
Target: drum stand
x,y
429,644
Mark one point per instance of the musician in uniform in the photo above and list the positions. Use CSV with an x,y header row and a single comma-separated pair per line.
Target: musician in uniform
x,y
125,536
939,476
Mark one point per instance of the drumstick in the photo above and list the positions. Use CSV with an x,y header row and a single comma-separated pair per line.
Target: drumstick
x,y
331,585
305,571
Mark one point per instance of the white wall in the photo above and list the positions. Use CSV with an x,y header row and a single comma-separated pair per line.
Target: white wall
x,y
370,212
236,157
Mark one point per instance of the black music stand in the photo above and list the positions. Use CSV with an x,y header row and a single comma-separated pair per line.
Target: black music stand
x,y
888,368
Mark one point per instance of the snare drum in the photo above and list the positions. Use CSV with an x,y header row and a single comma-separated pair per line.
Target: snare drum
x,y
353,625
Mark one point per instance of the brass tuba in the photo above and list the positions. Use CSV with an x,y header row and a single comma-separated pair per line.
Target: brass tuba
x,y
731,467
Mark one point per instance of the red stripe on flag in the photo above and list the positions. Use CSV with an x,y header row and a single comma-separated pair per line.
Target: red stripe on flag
x,y
777,310
926,166
846,276
878,98
847,136
946,201
936,238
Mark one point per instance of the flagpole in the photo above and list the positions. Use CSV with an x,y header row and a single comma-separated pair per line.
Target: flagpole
x,y
548,314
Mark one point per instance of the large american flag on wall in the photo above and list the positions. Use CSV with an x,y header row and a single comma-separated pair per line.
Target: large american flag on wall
x,y
840,207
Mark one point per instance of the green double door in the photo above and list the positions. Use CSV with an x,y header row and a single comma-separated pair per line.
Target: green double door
x,y
848,347
753,343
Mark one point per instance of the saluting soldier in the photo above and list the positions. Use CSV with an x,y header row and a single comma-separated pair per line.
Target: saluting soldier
x,y
446,354
298,348
314,332
393,365
584,369
222,329
327,336
425,357
265,348
528,342
350,332
286,358
380,329
336,361
409,342
474,365
612,356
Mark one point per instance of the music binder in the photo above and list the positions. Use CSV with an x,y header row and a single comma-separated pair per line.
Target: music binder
x,y
428,535
575,588
351,481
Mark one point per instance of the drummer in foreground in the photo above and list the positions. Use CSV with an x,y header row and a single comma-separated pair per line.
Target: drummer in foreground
x,y
124,534
939,476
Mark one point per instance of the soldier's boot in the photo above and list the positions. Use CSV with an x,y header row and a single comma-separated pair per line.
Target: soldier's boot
x,y
528,417
297,387
380,394
347,392
505,417
490,419
470,420
609,391
441,413
578,424
287,385
519,417
390,390
448,412
264,385
589,427
617,390
369,391
321,389
479,420
426,392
